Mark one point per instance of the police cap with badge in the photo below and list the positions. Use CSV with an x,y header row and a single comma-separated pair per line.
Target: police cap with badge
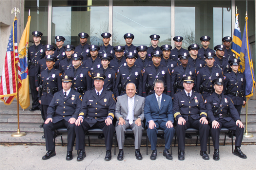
x,y
178,38
218,81
69,47
59,38
193,47
98,76
37,34
141,48
50,48
188,79
94,48
83,35
119,48
227,39
67,79
106,56
156,53
76,56
183,56
154,37
219,47
131,55
105,35
205,38
50,58
166,47
234,62
209,55
128,35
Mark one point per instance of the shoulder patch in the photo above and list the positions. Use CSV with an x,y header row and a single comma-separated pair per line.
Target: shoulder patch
x,y
197,72
60,74
113,96
224,77
205,101
80,97
172,70
89,74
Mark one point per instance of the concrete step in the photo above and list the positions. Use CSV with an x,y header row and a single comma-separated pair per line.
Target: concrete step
x,y
24,127
22,118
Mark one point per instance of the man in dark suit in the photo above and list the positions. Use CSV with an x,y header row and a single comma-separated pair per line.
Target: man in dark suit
x,y
98,109
62,112
159,115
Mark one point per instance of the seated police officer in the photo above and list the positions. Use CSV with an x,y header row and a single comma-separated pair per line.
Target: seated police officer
x,y
222,113
159,115
62,112
189,111
130,114
97,111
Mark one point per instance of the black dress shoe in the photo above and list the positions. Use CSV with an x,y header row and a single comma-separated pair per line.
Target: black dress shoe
x,y
69,156
216,155
138,155
120,155
187,135
204,155
181,155
48,155
108,155
167,154
42,125
81,155
239,153
35,108
153,155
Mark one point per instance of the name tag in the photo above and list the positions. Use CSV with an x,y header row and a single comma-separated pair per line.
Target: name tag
x,y
90,100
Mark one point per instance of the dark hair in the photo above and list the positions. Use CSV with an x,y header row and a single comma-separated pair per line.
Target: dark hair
x,y
158,81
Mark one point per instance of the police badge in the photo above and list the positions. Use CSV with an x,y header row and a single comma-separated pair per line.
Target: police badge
x,y
226,100
196,101
81,75
136,73
53,75
73,97
109,75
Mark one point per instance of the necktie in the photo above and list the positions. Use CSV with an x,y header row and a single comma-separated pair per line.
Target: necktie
x,y
188,94
98,94
159,102
65,94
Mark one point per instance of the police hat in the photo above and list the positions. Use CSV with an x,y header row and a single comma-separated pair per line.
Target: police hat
x,y
131,55
76,56
59,38
98,76
128,35
183,56
142,48
94,48
156,53
219,47
37,34
67,79
119,48
227,39
218,81
69,47
106,35
166,47
83,35
209,55
188,79
154,37
193,47
106,56
50,58
49,47
205,38
234,62
178,38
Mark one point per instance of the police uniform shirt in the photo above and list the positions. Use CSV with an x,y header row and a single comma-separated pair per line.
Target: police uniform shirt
x,y
35,53
97,108
235,87
152,74
41,66
223,64
202,52
61,56
130,48
229,54
65,64
197,63
92,64
184,106
169,63
116,63
175,53
150,50
142,63
109,49
51,83
83,50
59,53
64,107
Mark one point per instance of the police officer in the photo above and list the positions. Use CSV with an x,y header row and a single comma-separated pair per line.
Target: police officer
x,y
106,47
167,61
35,53
67,62
206,75
50,83
178,48
189,111
181,71
227,41
59,53
119,59
155,72
235,85
129,47
82,81
97,111
154,45
194,60
220,59
222,113
62,112
83,47
142,60
202,52
93,62
129,73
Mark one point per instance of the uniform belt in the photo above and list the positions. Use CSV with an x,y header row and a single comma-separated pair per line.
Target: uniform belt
x,y
221,115
50,90
240,94
79,89
209,90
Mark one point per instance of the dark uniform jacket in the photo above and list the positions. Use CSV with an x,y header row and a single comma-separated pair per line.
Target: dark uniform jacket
x,y
229,54
65,64
50,82
35,53
202,52
116,64
97,108
92,64
59,55
64,107
83,50
175,53
130,48
151,49
169,63
41,66
197,63
217,109
235,87
142,63
106,49
223,64
188,106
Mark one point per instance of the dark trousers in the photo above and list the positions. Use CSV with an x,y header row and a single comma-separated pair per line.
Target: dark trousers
x,y
192,123
231,125
49,134
84,127
238,108
168,135
44,111
34,93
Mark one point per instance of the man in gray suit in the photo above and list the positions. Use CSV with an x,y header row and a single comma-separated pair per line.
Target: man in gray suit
x,y
130,114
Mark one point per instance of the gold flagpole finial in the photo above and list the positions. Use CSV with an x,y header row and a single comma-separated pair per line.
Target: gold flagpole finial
x,y
15,11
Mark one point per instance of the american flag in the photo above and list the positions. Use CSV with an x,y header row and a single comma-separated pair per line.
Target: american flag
x,y
8,86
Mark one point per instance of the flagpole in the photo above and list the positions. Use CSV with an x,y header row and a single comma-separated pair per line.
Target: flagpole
x,y
18,133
